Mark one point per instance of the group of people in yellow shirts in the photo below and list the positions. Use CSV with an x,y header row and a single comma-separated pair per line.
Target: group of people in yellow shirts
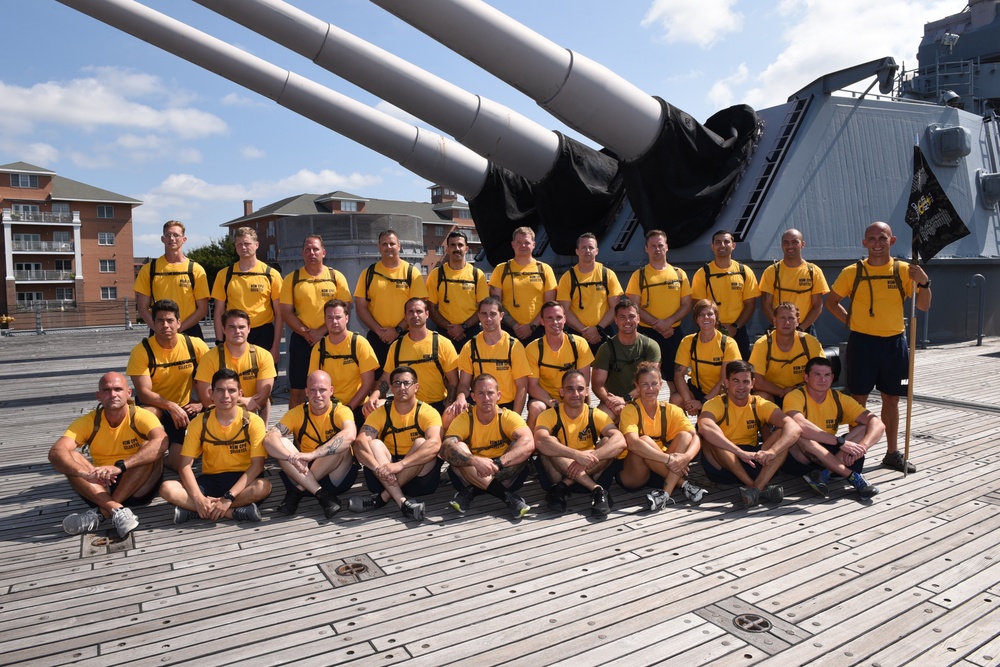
x,y
500,388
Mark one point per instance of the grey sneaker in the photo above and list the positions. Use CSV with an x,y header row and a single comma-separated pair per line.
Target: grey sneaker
x,y
182,515
463,499
865,490
365,503
896,461
247,513
773,493
84,522
816,483
125,521
518,508
412,510
329,502
600,503
749,497
657,499
692,492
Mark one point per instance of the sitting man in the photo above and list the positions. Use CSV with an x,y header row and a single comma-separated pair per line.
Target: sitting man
x,y
779,357
323,430
661,443
487,449
230,441
126,445
162,369
578,448
550,357
253,365
618,358
730,427
819,411
412,466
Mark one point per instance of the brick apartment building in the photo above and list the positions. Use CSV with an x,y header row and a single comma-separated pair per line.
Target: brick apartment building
x,y
64,244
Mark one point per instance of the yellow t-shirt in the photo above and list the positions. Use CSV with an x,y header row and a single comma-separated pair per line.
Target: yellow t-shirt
x,y
421,357
796,284
709,359
173,281
309,293
784,368
243,365
344,363
401,431
740,424
318,429
824,414
457,293
548,365
173,376
729,288
487,440
389,291
253,291
633,419
112,443
884,317
506,361
659,292
225,449
589,301
523,287
575,433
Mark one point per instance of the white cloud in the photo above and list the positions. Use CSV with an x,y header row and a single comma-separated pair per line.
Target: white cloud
x,y
721,94
238,100
251,153
701,23
180,187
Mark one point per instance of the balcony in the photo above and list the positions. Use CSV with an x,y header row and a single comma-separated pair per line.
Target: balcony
x,y
21,216
38,276
43,246
49,305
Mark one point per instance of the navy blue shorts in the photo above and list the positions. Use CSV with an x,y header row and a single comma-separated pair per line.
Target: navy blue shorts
x,y
877,362
668,348
515,484
723,475
418,486
380,348
175,436
263,336
215,485
605,479
654,481
794,467
299,351
327,483
133,501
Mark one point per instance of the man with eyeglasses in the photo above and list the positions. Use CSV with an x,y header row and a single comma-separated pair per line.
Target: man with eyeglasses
x,y
173,276
398,447
613,374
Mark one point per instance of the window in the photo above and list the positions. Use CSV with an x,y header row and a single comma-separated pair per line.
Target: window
x,y
270,228
108,266
64,293
107,212
109,293
60,237
27,266
25,211
60,207
28,297
27,241
64,265
348,206
272,254
23,181
105,238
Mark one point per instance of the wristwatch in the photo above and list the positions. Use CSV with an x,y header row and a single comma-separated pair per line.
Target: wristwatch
x,y
841,440
400,330
120,464
924,285
497,463
228,495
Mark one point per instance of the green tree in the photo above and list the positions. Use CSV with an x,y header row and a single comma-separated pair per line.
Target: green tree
x,y
215,257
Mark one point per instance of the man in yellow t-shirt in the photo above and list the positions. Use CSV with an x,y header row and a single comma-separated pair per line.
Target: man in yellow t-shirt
x,y
347,357
303,294
588,293
382,292
578,448
126,449
732,286
878,355
819,410
173,276
252,286
794,280
779,357
523,284
703,355
398,447
230,442
162,369
731,428
550,357
487,448
312,444
454,290
253,365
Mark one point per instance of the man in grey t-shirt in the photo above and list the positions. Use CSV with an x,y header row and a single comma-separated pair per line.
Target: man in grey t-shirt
x,y
613,376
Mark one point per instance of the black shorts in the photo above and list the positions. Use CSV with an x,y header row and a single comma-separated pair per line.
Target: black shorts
x,y
336,489
133,501
696,391
877,362
263,336
654,481
380,348
215,485
299,351
515,484
175,436
742,339
723,475
795,467
605,479
418,486
668,348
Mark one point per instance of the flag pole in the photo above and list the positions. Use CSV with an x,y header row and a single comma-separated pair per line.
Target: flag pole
x,y
910,378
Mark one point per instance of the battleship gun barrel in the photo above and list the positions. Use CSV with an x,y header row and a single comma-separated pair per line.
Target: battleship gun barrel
x,y
575,89
425,153
487,127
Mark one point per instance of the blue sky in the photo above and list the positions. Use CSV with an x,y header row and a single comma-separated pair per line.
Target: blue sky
x,y
99,106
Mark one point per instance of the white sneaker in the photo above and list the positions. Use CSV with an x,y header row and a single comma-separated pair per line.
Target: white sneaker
x,y
125,521
84,522
657,500
692,492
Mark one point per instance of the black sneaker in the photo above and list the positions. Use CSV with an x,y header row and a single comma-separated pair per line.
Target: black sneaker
x,y
365,503
412,510
463,499
329,502
556,497
247,513
773,493
290,503
896,461
749,497
182,515
518,508
600,502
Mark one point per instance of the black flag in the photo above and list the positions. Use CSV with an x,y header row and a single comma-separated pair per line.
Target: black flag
x,y
929,213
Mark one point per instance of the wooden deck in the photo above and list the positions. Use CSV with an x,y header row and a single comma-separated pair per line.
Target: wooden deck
x,y
911,577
